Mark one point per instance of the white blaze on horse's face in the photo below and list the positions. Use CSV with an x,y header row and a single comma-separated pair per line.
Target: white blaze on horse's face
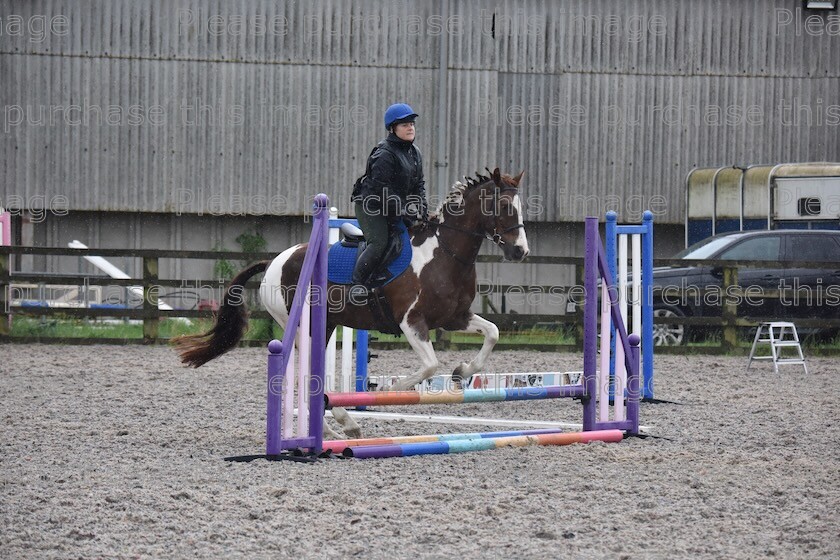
x,y
514,243
521,239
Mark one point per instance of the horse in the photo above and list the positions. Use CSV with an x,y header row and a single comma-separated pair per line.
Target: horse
x,y
435,291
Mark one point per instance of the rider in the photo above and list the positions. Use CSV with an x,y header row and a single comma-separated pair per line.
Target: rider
x,y
392,188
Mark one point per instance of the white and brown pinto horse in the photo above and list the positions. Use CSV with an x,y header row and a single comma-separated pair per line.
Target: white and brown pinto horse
x,y
436,291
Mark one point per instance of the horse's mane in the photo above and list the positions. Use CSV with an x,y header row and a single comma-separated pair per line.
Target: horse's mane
x,y
455,197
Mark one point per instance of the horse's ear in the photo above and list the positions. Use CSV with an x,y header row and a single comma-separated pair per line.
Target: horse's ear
x,y
496,175
518,178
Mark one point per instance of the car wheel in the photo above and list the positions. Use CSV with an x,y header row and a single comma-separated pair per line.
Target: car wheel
x,y
668,334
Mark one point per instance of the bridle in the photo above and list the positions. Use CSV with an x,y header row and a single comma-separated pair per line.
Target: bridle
x,y
496,237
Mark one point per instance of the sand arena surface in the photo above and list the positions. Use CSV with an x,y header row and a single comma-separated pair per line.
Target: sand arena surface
x,y
117,452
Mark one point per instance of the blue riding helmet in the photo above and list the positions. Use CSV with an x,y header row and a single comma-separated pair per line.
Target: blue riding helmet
x,y
399,112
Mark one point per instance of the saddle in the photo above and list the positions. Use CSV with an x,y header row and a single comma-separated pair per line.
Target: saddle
x,y
343,254
342,258
354,238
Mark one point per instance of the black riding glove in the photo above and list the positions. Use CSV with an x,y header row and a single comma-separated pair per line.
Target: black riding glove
x,y
417,210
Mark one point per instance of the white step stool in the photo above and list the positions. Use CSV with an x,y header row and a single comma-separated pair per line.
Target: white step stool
x,y
779,335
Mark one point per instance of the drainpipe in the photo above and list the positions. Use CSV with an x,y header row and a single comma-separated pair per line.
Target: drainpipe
x,y
442,105
687,183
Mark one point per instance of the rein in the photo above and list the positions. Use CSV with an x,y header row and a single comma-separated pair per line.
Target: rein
x,y
495,238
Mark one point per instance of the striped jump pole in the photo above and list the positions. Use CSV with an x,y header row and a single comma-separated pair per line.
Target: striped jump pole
x,y
478,444
339,445
386,398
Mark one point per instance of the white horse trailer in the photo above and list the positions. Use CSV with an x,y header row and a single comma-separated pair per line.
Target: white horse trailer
x,y
781,196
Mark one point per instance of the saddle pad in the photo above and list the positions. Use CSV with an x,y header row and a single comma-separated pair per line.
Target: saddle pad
x,y
341,261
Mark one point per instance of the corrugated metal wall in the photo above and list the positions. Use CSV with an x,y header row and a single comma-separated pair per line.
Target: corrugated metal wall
x,y
251,107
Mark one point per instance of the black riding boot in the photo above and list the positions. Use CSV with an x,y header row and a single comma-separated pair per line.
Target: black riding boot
x,y
375,227
365,267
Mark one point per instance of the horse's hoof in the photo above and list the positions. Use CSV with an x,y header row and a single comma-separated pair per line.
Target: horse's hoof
x,y
353,433
460,371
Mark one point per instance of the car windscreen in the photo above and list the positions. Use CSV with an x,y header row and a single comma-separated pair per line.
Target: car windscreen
x,y
706,248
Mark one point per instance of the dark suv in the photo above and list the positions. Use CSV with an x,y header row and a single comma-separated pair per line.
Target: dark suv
x,y
697,291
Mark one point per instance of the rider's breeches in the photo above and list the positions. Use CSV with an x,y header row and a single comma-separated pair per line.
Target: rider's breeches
x,y
375,228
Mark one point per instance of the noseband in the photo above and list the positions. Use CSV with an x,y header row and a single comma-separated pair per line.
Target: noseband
x,y
497,236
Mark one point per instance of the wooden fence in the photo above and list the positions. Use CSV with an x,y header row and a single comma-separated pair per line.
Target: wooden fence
x,y
150,315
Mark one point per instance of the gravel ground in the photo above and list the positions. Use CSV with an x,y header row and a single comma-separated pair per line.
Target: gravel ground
x,y
112,452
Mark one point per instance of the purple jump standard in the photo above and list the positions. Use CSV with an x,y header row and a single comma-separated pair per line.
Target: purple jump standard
x,y
314,271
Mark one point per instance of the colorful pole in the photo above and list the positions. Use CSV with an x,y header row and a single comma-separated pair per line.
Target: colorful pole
x,y
383,398
481,444
339,445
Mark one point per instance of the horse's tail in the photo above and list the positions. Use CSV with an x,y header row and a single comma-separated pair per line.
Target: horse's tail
x,y
231,323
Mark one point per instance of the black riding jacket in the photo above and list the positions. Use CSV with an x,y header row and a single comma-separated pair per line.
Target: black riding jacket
x,y
393,183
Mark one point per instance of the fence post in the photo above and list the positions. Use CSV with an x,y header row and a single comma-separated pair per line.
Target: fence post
x,y
150,299
5,296
730,310
578,324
